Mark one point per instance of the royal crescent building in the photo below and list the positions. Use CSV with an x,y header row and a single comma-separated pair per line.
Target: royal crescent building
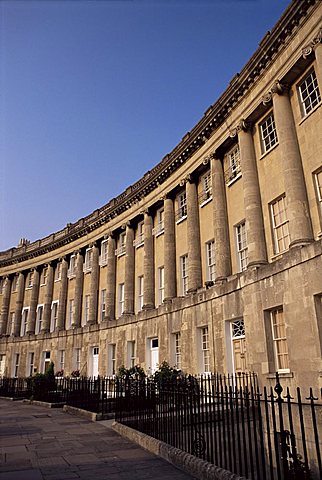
x,y
212,260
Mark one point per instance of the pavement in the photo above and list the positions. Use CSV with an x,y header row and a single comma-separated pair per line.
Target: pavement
x,y
38,443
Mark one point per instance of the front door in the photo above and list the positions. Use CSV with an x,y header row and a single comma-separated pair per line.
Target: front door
x,y
239,346
95,362
239,351
154,352
2,364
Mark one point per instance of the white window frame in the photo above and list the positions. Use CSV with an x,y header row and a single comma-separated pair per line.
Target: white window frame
x,y
58,272
88,264
104,253
87,301
131,354
233,171
16,361
160,285
241,246
184,274
140,290
206,193
11,323
72,266
159,223
70,312
279,340
121,299
103,304
30,279
268,133
280,226
121,249
14,284
54,315
139,240
30,364
43,277
318,188
205,350
62,357
182,207
210,258
77,358
309,98
39,318
177,350
111,367
24,321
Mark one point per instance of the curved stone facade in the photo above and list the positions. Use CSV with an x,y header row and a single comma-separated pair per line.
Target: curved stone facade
x,y
212,261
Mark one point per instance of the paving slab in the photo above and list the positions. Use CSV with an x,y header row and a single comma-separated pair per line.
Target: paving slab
x,y
37,445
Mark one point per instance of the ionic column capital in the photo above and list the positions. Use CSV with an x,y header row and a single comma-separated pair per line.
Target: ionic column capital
x,y
146,211
278,88
317,40
187,179
243,126
166,196
208,158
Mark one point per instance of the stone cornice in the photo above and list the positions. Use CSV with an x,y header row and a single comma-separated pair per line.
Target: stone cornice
x,y
216,114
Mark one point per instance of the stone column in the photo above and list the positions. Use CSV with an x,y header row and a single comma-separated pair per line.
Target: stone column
x,y
19,304
148,286
61,315
318,57
79,279
45,326
33,303
5,306
111,278
129,271
316,46
300,227
193,235
170,283
221,232
92,318
256,244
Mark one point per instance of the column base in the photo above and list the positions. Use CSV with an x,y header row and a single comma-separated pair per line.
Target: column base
x,y
301,242
191,290
257,263
106,320
168,300
148,306
220,280
92,322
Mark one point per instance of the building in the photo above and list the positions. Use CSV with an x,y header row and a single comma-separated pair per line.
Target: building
x,y
211,261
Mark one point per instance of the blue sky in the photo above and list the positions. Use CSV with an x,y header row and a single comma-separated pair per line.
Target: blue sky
x,y
95,93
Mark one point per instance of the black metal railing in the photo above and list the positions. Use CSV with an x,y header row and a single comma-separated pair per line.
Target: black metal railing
x,y
267,435
14,387
93,394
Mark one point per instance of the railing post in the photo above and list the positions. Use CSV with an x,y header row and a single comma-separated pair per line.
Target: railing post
x,y
279,389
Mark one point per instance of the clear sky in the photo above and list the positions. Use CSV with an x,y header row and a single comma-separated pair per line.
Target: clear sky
x,y
95,93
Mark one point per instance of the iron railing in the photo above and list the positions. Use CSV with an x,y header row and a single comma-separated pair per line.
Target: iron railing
x,y
262,435
14,387
93,394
